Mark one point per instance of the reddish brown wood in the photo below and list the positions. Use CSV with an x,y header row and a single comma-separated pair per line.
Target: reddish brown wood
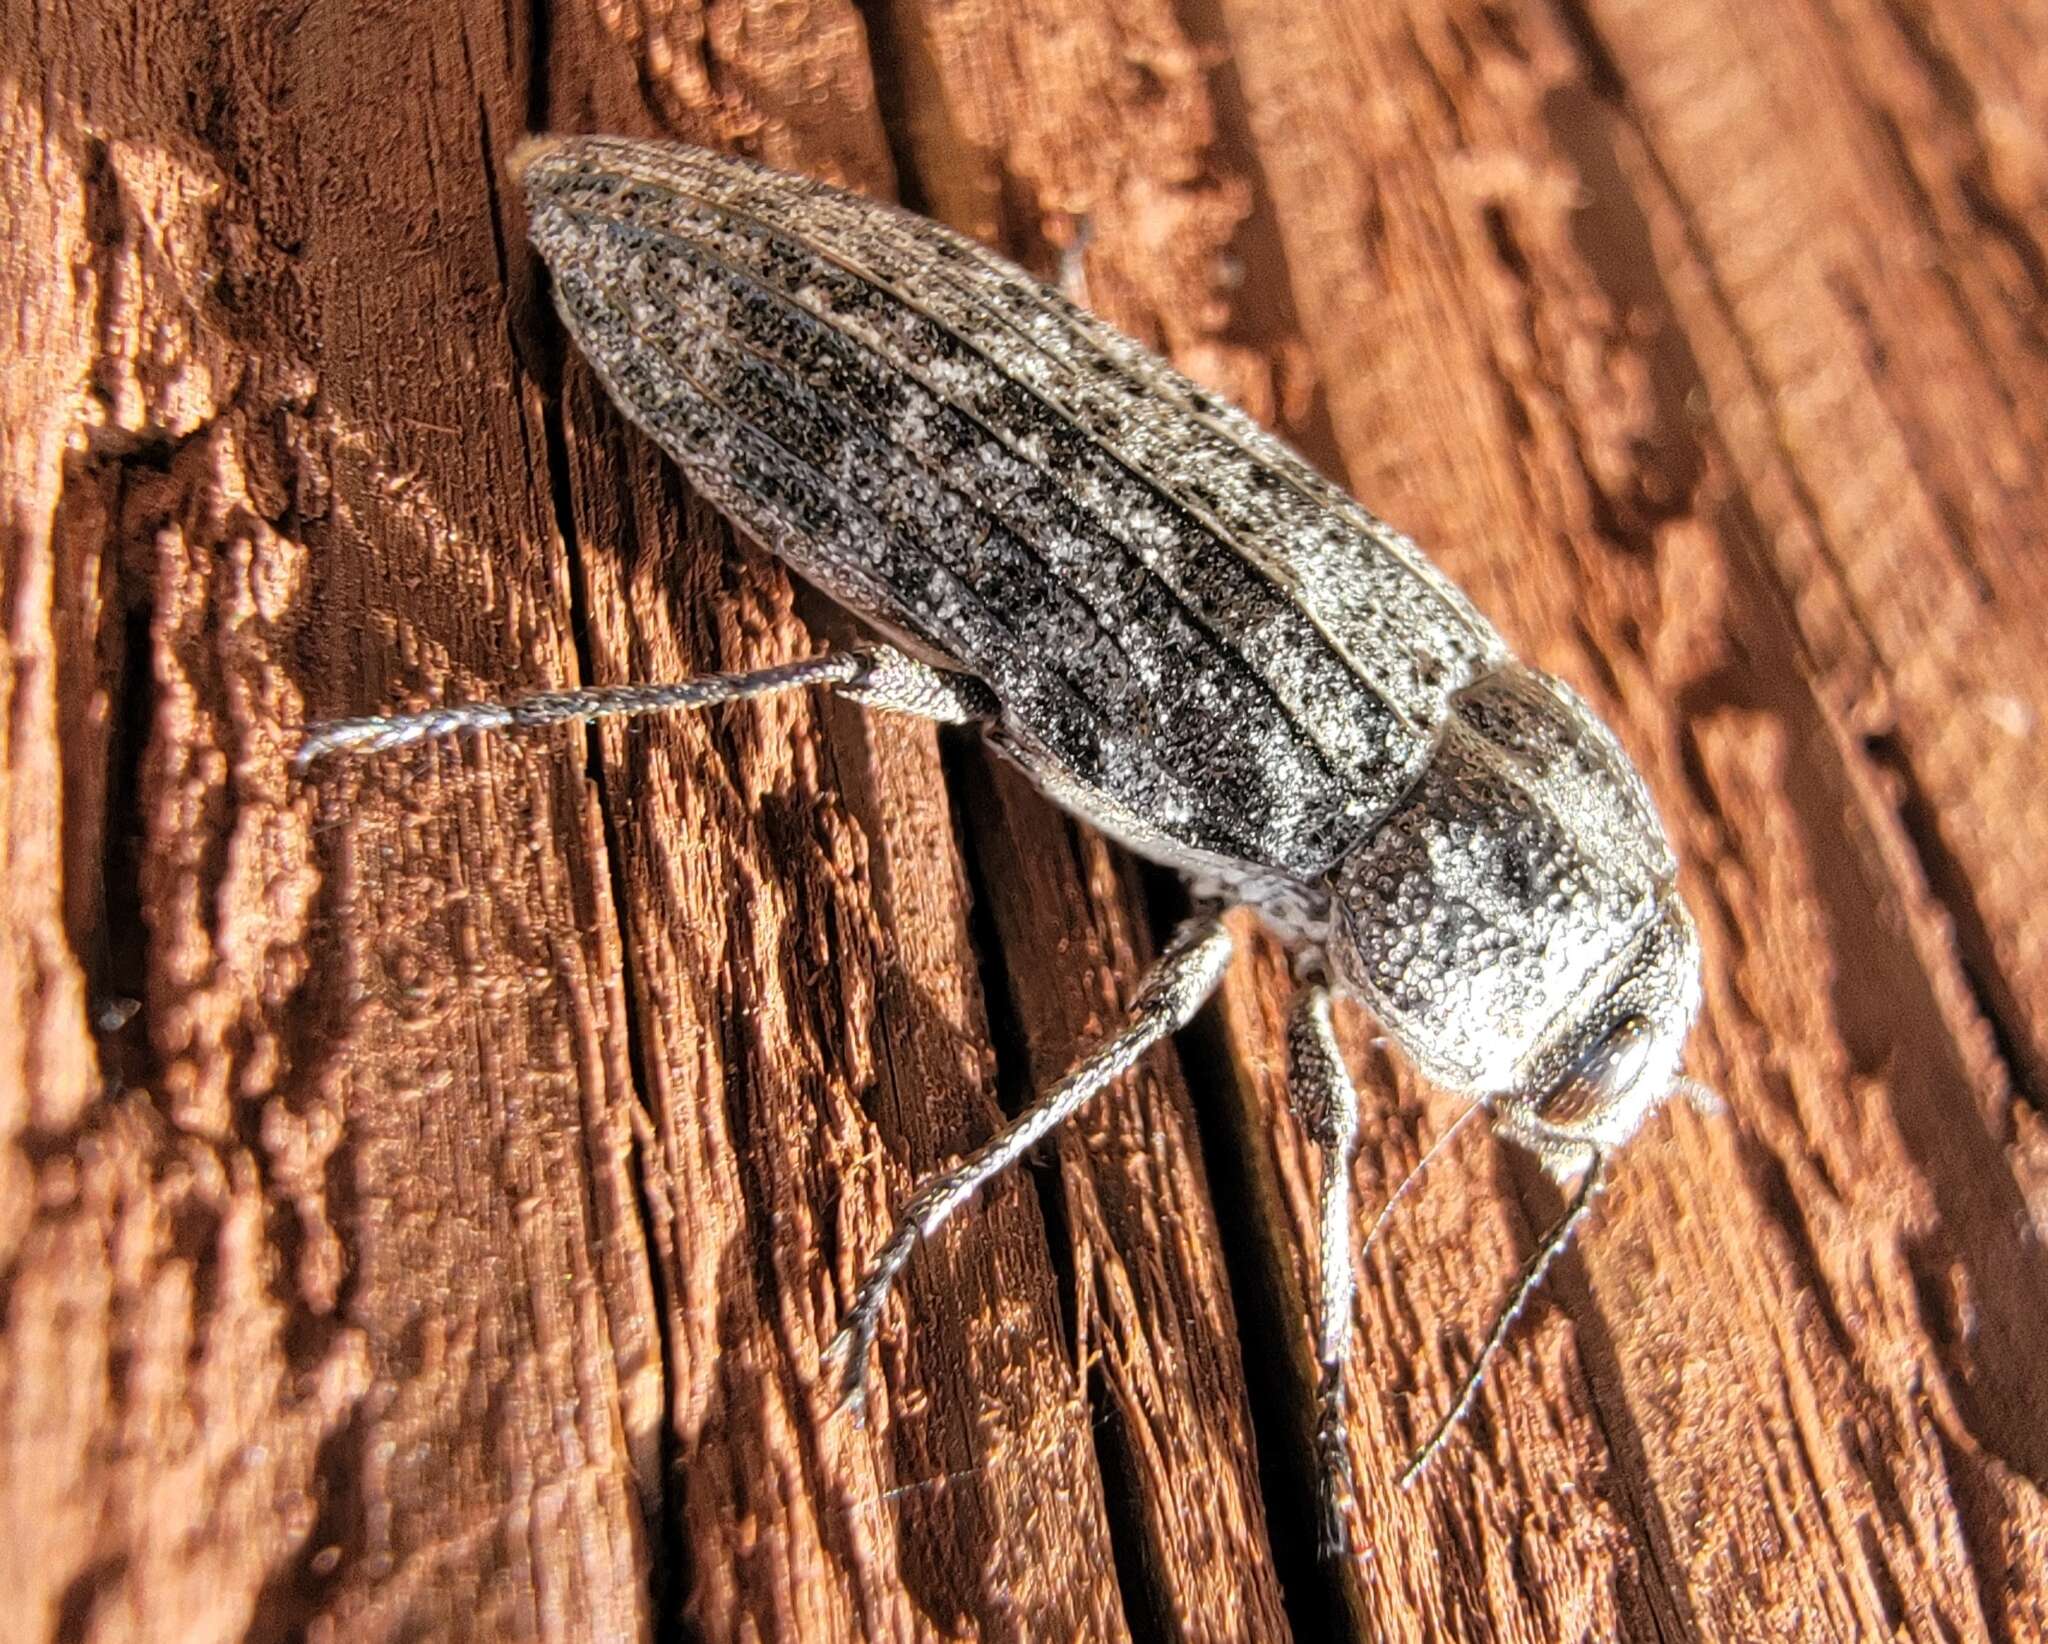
x,y
425,1194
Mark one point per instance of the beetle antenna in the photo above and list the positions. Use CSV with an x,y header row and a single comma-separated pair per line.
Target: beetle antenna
x,y
1409,1180
1532,1275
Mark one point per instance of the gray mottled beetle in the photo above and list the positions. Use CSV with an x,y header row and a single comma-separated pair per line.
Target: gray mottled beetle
x,y
1176,627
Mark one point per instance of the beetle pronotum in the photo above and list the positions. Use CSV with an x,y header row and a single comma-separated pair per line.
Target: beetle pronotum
x,y
1177,628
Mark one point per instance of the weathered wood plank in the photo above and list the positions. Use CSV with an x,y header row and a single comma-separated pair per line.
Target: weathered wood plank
x,y
425,1196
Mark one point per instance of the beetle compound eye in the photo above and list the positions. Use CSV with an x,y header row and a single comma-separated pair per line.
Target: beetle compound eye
x,y
1611,1068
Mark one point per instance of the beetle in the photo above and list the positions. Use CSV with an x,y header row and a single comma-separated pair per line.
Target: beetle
x,y
1179,630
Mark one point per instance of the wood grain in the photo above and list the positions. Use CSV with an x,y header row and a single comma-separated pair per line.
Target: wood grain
x,y
425,1194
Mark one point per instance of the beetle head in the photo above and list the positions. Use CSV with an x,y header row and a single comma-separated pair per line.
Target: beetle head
x,y
1603,1070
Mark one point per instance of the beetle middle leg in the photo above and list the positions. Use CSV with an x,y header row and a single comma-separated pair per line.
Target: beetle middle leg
x,y
1178,984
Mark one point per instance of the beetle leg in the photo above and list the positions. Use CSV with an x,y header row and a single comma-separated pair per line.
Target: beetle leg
x,y
1176,986
1320,1089
879,675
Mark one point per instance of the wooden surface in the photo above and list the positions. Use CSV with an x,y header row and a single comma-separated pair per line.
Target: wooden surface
x,y
425,1195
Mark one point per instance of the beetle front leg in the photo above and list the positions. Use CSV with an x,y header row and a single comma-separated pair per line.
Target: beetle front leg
x,y
1320,1089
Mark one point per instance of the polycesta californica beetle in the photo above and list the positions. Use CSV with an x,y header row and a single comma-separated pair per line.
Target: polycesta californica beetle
x,y
1179,630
